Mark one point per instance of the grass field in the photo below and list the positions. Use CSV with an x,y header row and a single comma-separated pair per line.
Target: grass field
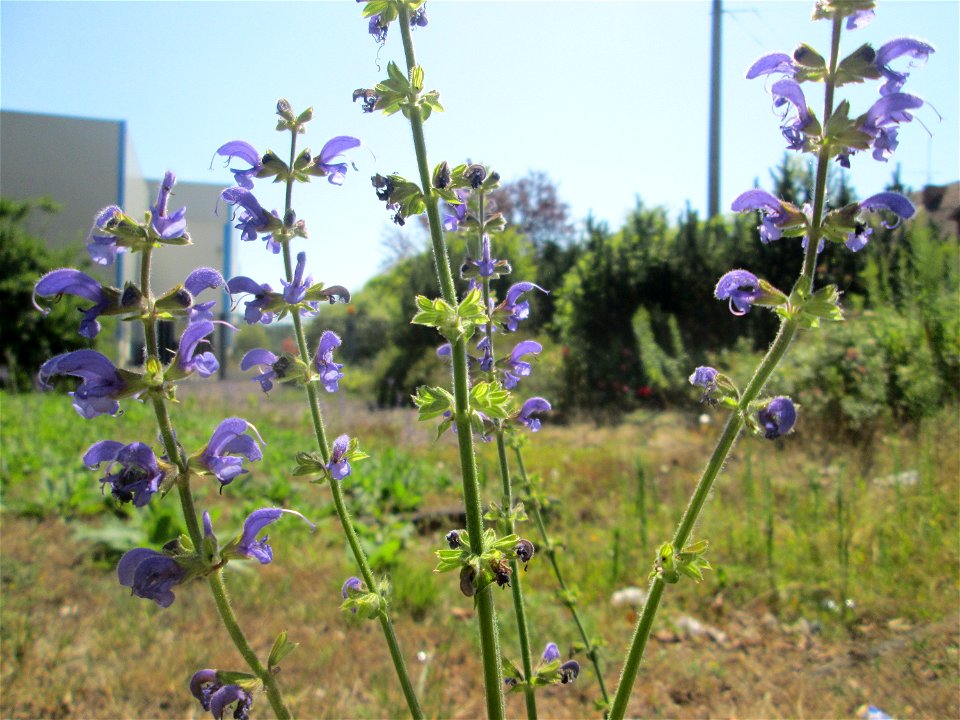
x,y
835,578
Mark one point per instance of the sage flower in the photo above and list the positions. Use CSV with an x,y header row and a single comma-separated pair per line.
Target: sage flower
x,y
246,152
881,122
776,216
204,364
103,248
890,51
789,92
339,466
139,476
253,219
551,652
741,288
334,148
534,405
323,361
274,367
516,311
891,202
167,226
150,574
295,290
101,382
68,281
705,377
249,546
514,368
229,445
255,310
777,417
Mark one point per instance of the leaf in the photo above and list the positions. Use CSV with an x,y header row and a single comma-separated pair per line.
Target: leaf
x,y
281,648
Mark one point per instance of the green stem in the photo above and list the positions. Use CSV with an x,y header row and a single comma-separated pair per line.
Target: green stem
x,y
233,627
189,510
516,587
486,612
346,522
551,552
788,328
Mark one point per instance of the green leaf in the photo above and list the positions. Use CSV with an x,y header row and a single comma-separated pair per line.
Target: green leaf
x,y
432,402
281,648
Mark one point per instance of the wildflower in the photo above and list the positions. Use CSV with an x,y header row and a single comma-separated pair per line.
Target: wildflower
x,y
150,574
227,695
531,406
881,120
203,684
323,362
776,216
229,444
248,546
886,53
742,288
201,279
517,311
705,377
789,92
889,201
254,219
860,18
166,226
339,466
103,249
352,583
779,63
101,382
324,166
204,364
777,417
246,152
255,310
378,29
68,281
458,213
517,368
276,367
551,652
140,474
524,550
295,290
453,539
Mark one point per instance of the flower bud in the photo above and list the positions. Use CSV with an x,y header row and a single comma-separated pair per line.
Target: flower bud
x,y
284,110
441,176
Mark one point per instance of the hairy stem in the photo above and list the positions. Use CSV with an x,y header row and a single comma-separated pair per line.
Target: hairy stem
x,y
486,612
346,522
189,510
788,329
551,551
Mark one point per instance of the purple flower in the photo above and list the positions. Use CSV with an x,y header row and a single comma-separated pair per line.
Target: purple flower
x,y
894,49
246,152
859,19
517,311
889,201
551,652
255,310
774,63
227,695
274,367
882,119
103,249
776,215
377,29
140,474
254,219
705,377
204,364
295,290
101,382
419,17
201,279
166,226
458,213
203,684
323,362
68,281
333,149
741,287
339,466
150,575
249,546
788,92
530,407
515,368
352,583
777,418
229,445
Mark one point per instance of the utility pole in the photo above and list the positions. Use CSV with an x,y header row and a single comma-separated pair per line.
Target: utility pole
x,y
713,173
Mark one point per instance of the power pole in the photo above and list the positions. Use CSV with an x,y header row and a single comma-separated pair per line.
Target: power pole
x,y
713,173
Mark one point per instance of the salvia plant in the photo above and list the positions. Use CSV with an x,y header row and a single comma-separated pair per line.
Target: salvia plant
x,y
484,407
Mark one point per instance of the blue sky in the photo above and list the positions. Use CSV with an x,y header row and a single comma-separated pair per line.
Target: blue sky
x,y
608,98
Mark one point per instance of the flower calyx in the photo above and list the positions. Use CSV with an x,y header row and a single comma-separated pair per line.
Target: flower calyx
x,y
690,561
454,324
478,571
358,600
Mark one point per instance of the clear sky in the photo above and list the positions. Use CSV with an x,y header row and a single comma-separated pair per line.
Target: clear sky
x,y
608,98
